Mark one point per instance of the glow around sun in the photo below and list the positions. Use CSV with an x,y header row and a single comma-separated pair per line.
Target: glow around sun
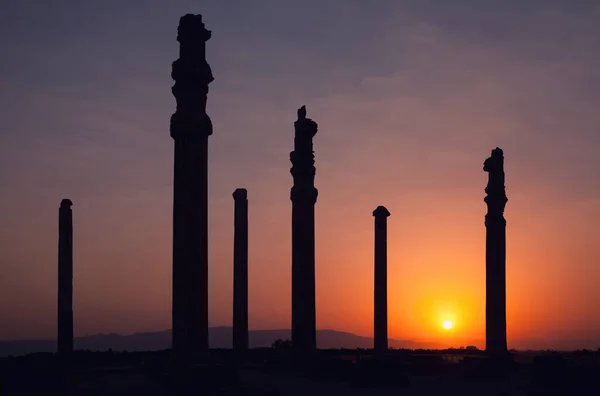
x,y
447,324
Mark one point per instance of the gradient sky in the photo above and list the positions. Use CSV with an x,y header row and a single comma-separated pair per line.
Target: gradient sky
x,y
410,97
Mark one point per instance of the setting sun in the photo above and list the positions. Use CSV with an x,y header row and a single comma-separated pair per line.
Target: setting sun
x,y
447,324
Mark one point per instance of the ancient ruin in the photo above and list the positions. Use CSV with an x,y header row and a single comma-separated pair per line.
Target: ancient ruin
x,y
495,256
240,270
380,327
190,129
65,278
303,196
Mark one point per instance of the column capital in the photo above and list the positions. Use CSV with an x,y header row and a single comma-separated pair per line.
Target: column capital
x,y
191,28
492,219
305,127
240,193
192,75
304,194
381,211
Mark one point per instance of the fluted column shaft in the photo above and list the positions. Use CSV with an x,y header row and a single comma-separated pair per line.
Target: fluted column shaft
x,y
495,224
240,271
380,326
190,129
65,278
304,197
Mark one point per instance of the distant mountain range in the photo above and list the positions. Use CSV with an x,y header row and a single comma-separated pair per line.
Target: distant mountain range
x,y
220,337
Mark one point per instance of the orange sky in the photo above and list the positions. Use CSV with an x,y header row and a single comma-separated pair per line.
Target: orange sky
x,y
408,107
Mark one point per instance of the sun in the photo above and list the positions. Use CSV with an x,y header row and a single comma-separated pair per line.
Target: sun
x,y
447,324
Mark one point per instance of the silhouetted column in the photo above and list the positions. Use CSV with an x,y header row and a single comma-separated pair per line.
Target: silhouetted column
x,y
65,278
495,304
303,196
240,270
380,327
190,129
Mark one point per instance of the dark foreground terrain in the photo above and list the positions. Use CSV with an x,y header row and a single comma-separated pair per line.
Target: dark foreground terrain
x,y
272,371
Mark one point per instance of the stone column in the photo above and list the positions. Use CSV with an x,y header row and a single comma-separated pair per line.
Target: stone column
x,y
65,278
303,196
380,328
240,270
495,304
190,129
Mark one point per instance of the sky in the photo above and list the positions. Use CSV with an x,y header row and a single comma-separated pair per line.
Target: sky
x,y
410,97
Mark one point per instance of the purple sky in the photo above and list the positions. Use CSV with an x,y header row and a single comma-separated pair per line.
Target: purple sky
x,y
410,97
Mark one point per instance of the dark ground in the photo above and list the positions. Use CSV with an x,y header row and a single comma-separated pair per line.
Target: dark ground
x,y
271,371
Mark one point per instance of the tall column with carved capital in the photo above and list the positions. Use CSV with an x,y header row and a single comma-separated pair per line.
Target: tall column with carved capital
x,y
380,328
65,278
190,129
495,304
240,270
303,196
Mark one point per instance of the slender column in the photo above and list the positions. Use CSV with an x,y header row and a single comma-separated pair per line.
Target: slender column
x,y
190,129
240,271
380,327
495,304
303,196
65,278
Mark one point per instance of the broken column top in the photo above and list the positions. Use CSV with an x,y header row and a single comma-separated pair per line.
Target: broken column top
x,y
191,28
305,126
497,152
381,211
495,162
66,203
240,193
495,190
